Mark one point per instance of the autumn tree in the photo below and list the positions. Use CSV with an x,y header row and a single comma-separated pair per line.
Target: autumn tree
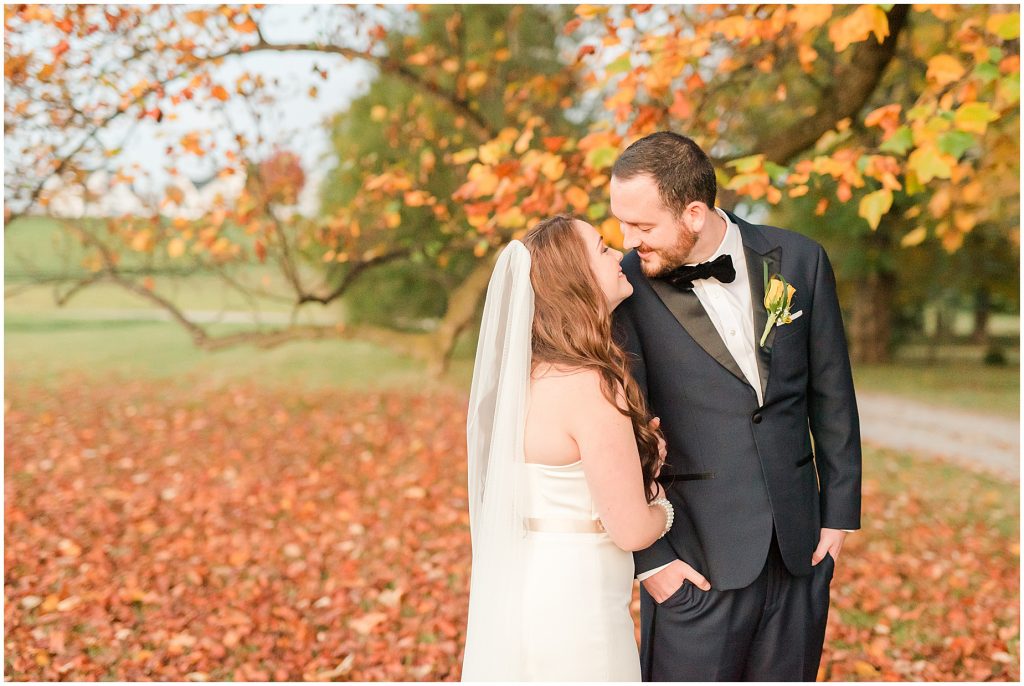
x,y
394,147
908,114
466,76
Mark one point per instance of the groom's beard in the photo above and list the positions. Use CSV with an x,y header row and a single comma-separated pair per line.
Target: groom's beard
x,y
670,258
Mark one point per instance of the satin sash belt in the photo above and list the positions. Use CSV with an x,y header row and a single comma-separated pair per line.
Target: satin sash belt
x,y
565,526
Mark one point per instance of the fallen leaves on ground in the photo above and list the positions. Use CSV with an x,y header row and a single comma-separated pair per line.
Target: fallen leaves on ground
x,y
192,533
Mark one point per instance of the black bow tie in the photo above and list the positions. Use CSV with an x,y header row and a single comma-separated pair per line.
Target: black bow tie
x,y
720,268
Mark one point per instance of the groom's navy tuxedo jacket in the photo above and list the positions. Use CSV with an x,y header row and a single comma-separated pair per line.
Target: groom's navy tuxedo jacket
x,y
735,469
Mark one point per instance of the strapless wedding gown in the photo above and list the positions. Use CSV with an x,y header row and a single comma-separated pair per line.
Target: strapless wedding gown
x,y
577,587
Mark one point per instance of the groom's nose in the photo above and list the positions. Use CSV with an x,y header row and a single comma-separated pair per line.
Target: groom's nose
x,y
629,238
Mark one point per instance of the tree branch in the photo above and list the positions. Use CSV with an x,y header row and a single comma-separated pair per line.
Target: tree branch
x,y
856,84
387,65
352,274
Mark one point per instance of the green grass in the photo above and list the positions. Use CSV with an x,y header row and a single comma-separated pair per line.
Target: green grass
x,y
968,385
46,344
45,341
46,349
41,247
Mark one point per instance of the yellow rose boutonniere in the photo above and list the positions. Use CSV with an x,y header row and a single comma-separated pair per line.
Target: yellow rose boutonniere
x,y
778,297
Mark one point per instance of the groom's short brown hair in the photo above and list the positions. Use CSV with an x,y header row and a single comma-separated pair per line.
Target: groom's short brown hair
x,y
682,171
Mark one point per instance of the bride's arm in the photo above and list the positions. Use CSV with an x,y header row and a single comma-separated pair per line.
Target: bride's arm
x,y
611,464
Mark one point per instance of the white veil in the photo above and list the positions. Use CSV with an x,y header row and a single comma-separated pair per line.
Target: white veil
x,y
494,431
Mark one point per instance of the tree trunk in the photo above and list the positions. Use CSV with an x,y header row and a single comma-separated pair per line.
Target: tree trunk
x,y
462,308
870,327
982,310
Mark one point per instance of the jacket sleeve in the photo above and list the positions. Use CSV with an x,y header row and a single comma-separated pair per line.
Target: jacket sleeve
x,y
626,334
832,406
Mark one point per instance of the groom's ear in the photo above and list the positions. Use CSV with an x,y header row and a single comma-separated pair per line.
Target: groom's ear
x,y
696,214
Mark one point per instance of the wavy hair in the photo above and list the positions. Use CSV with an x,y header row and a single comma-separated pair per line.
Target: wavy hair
x,y
572,327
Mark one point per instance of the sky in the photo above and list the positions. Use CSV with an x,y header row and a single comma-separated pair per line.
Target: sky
x,y
297,121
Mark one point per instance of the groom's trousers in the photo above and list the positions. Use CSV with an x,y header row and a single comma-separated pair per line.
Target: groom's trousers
x,y
771,630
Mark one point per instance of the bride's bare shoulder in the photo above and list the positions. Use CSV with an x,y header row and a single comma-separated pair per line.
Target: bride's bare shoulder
x,y
579,387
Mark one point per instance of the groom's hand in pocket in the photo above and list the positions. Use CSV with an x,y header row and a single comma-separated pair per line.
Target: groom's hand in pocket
x,y
829,541
671,578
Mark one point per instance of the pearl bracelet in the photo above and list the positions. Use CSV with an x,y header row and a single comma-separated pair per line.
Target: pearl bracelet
x,y
670,513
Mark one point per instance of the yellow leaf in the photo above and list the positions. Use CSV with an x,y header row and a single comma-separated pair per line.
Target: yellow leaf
x,y
511,218
476,80
491,152
140,241
915,237
174,195
928,163
378,113
807,17
944,69
807,56
964,221
1006,25
553,167
865,669
176,248
590,11
974,116
611,231
464,156
577,197
486,181
523,142
874,205
419,59
856,27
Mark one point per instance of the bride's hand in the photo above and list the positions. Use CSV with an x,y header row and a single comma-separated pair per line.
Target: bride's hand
x,y
662,449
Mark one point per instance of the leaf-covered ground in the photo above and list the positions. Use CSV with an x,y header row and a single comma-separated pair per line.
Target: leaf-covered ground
x,y
177,532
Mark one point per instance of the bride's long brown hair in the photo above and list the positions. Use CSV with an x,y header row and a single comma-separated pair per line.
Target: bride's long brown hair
x,y
572,327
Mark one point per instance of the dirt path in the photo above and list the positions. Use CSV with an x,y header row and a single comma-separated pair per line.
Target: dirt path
x,y
968,438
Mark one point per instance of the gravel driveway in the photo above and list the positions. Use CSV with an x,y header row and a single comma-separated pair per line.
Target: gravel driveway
x,y
968,438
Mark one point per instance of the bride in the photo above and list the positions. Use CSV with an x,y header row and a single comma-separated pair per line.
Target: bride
x,y
562,467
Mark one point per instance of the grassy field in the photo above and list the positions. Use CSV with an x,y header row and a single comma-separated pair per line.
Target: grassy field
x,y
968,384
94,334
48,344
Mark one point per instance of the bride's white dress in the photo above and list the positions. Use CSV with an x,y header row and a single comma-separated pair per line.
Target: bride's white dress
x,y
577,585
549,591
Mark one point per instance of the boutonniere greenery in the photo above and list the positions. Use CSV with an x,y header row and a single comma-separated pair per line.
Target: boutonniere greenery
x,y
778,297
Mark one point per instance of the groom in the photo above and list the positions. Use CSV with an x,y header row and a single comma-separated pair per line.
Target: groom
x,y
738,590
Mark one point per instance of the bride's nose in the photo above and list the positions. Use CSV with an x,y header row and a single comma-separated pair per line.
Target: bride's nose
x,y
618,254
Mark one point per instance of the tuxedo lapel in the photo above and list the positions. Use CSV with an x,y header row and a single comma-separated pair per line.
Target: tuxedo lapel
x,y
758,252
686,308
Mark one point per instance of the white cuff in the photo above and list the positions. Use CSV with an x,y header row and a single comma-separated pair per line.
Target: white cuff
x,y
651,572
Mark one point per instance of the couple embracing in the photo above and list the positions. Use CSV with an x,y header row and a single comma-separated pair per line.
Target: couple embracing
x,y
652,416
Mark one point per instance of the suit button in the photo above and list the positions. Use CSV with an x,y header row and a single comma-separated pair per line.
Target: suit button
x,y
757,417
